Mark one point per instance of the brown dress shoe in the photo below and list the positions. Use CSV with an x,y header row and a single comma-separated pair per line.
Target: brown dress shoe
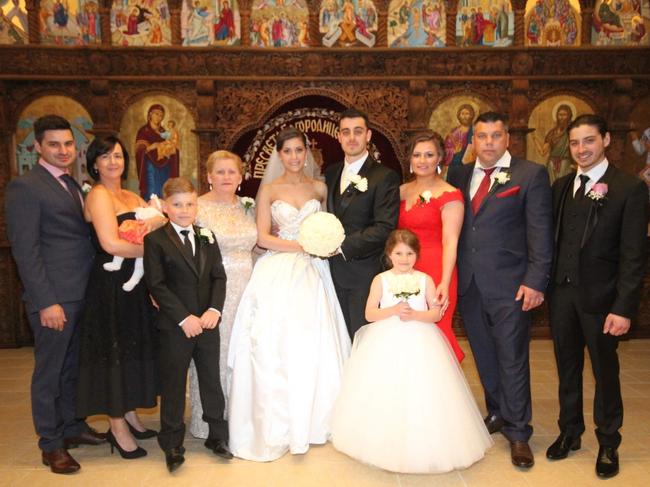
x,y
90,437
60,461
521,454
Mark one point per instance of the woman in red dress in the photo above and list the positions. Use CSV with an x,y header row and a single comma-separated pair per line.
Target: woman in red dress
x,y
433,210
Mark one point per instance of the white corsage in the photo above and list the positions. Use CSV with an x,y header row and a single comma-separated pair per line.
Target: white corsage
x,y
359,183
403,286
248,203
598,192
206,235
502,177
425,197
321,234
86,187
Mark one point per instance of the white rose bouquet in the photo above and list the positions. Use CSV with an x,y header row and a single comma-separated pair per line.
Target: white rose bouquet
x,y
321,234
403,286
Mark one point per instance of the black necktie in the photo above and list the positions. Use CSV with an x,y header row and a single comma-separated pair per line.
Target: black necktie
x,y
187,245
582,189
73,189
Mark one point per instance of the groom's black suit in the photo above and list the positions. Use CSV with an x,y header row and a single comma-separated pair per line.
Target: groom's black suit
x,y
50,241
183,285
600,255
368,217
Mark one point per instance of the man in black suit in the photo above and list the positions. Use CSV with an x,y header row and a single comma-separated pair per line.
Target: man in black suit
x,y
364,195
50,241
504,261
185,275
601,217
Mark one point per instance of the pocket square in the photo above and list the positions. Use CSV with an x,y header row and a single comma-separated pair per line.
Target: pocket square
x,y
509,192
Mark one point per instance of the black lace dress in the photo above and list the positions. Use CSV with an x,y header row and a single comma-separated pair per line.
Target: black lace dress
x,y
118,342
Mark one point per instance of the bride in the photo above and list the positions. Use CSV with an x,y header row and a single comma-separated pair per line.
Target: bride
x,y
289,339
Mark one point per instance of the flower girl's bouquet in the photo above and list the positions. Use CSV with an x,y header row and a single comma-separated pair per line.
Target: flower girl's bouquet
x,y
321,234
403,286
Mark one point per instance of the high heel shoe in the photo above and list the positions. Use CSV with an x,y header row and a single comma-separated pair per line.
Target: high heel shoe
x,y
141,435
128,455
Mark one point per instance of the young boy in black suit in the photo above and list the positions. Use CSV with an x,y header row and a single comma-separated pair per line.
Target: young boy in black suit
x,y
185,275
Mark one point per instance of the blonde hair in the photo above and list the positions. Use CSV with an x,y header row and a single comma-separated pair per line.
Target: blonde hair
x,y
224,154
177,185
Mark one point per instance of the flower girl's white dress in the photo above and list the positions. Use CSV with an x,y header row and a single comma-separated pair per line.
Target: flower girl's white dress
x,y
287,349
404,404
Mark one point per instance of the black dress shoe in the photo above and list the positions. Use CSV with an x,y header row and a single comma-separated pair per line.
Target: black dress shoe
x,y
560,447
141,435
219,448
493,423
607,462
521,454
174,458
89,437
127,455
60,461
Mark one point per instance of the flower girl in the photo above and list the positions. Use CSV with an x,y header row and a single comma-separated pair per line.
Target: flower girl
x,y
404,403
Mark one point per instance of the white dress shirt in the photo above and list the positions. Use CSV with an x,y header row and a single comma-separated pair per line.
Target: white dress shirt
x,y
595,173
477,176
351,168
190,235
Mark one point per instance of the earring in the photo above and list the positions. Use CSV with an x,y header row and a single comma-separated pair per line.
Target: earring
x,y
411,168
438,169
239,188
210,186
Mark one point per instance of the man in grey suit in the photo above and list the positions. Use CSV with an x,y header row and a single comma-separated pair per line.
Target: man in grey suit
x,y
50,241
504,261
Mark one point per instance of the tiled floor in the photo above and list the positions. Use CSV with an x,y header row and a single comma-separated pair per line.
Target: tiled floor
x,y
322,465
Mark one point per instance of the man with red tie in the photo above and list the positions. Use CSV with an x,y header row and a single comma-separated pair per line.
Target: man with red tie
x,y
504,261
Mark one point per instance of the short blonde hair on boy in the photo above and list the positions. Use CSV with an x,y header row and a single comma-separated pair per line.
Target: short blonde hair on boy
x,y
224,154
177,185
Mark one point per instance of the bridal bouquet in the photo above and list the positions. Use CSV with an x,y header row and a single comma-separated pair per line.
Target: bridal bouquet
x,y
321,234
403,286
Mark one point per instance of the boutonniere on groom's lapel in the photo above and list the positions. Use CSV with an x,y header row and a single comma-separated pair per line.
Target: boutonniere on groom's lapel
x,y
502,177
598,193
206,235
85,188
359,183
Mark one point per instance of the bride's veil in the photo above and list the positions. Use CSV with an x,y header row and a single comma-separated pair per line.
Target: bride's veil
x,y
275,169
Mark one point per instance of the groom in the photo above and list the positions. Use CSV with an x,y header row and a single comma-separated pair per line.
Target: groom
x,y
364,195
504,260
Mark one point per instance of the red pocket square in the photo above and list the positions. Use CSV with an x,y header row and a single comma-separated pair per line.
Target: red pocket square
x,y
509,192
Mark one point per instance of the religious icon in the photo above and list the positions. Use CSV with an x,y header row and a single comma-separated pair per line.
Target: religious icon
x,y
279,23
552,23
140,23
416,23
13,22
347,23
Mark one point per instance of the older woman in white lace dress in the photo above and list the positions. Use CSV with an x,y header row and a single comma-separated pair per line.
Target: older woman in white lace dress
x,y
233,223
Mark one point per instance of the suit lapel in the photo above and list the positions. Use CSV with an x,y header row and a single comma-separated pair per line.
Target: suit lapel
x,y
568,184
351,192
592,219
173,236
56,186
201,251
495,186
335,189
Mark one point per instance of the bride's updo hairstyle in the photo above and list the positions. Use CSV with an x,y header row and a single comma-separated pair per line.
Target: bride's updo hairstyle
x,y
288,134
402,235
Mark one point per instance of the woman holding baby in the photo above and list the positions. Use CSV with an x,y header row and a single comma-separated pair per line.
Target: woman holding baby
x,y
117,362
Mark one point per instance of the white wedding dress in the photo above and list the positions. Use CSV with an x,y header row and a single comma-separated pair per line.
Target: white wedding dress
x,y
405,405
287,349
